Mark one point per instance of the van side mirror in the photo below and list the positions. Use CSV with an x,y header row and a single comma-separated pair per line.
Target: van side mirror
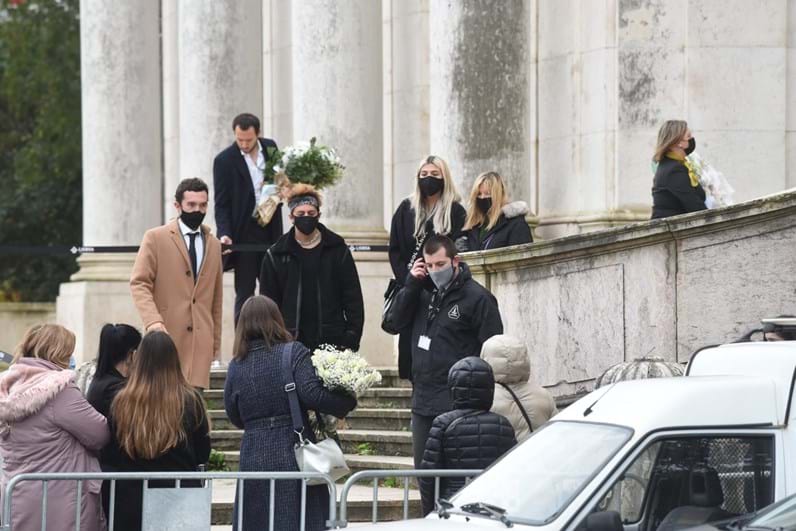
x,y
603,521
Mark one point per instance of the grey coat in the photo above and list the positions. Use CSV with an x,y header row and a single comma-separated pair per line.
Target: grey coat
x,y
256,401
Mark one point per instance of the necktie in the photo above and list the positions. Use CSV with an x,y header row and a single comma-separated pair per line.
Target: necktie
x,y
192,252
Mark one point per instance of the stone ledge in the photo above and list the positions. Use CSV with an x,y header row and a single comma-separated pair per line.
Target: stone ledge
x,y
633,235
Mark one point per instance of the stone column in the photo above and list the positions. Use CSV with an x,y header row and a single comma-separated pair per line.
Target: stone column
x,y
220,76
171,104
337,97
480,110
121,113
406,91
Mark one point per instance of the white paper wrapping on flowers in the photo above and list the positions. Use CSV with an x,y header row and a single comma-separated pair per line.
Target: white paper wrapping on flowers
x,y
344,370
718,191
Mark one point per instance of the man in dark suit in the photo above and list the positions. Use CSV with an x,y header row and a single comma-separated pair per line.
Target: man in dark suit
x,y
238,183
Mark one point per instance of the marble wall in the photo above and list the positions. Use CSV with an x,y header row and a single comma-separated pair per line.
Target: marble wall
x,y
660,288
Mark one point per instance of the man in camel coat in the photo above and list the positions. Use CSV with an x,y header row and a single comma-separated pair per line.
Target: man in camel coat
x,y
176,283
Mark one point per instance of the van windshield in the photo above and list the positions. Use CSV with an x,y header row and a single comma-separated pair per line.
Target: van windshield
x,y
539,478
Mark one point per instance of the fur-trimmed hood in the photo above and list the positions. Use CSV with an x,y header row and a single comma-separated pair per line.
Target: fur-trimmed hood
x,y
514,209
27,386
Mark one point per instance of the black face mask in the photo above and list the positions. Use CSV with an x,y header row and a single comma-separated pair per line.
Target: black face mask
x,y
483,204
306,224
691,146
192,219
430,186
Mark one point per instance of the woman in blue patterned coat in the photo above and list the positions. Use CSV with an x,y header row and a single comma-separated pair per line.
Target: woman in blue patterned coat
x,y
256,401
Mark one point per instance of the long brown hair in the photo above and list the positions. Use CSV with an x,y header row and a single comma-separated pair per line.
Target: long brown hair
x,y
498,193
260,319
49,342
669,135
149,411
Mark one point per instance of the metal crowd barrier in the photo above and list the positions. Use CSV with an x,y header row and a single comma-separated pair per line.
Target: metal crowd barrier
x,y
375,475
169,501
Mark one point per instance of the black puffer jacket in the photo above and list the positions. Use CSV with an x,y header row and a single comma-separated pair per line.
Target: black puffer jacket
x,y
511,229
470,437
457,322
341,309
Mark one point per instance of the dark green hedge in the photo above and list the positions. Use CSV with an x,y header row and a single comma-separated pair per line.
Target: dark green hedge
x,y
40,157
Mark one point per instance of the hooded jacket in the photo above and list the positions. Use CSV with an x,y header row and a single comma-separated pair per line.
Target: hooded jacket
x,y
340,306
47,426
457,321
470,437
510,229
511,366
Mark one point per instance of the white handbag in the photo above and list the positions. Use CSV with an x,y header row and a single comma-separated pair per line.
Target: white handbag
x,y
326,456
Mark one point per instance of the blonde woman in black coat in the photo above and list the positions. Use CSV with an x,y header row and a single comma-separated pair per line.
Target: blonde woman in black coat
x,y
675,189
492,220
433,208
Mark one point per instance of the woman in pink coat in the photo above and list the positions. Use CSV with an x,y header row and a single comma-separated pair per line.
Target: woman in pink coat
x,y
47,426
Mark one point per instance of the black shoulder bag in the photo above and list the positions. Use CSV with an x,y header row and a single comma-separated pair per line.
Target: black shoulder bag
x,y
387,323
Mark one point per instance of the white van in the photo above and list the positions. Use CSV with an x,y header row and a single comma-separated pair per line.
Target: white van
x,y
648,455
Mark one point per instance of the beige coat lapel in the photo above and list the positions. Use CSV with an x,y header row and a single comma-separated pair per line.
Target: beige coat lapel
x,y
176,238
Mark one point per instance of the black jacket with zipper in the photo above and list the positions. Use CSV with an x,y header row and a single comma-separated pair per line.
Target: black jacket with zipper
x,y
458,321
468,438
510,229
341,309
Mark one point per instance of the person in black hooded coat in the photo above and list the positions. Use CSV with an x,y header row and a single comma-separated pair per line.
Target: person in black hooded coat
x,y
468,438
493,221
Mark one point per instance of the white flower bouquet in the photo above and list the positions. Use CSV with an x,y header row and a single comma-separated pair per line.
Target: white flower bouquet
x,y
344,370
717,188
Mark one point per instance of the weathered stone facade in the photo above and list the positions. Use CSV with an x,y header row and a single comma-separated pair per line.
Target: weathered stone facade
x,y
563,97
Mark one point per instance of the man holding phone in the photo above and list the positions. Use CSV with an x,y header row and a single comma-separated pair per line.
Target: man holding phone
x,y
451,316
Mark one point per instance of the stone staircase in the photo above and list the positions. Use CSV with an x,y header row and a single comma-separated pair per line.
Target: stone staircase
x,y
376,437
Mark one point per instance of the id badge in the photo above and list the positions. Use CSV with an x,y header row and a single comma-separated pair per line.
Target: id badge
x,y
424,342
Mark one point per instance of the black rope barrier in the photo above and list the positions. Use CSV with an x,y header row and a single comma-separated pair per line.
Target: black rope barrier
x,y
64,250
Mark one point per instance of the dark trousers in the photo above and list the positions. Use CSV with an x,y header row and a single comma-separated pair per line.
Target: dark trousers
x,y
248,264
421,425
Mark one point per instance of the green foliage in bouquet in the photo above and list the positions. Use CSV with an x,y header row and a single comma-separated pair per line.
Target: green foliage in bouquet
x,y
306,162
217,462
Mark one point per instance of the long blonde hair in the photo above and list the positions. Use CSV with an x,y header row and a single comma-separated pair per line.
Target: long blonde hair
x,y
50,342
441,213
498,193
669,135
149,411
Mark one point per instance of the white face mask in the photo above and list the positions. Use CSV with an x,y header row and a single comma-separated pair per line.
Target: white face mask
x,y
442,278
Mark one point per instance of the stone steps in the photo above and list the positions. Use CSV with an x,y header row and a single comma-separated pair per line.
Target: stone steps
x,y
376,442
355,462
389,378
367,418
386,397
361,442
360,419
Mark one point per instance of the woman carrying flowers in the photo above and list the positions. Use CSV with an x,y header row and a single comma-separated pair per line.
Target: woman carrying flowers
x,y
255,400
675,189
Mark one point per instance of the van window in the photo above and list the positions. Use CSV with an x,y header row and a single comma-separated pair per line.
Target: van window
x,y
694,479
